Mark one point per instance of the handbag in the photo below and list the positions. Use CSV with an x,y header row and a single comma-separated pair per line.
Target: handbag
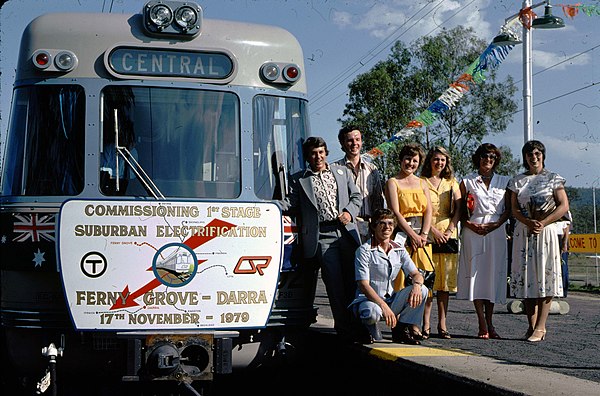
x,y
428,276
451,246
428,279
414,222
540,208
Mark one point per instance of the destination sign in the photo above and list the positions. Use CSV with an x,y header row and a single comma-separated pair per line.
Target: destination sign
x,y
165,63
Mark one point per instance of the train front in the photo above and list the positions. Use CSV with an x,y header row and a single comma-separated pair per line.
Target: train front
x,y
140,241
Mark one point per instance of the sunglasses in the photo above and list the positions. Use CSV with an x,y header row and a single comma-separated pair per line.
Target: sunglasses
x,y
488,156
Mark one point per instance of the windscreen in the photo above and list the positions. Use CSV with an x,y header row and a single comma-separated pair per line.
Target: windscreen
x,y
280,127
45,145
172,142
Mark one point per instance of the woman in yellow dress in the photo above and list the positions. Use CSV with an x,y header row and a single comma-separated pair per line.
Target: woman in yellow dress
x,y
446,200
407,196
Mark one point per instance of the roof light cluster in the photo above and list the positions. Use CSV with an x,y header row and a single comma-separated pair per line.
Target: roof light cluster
x,y
280,73
172,18
54,60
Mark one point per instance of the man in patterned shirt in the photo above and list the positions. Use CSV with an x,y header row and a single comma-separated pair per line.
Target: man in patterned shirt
x,y
326,201
366,177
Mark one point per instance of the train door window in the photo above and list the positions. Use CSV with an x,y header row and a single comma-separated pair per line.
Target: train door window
x,y
184,142
45,144
280,128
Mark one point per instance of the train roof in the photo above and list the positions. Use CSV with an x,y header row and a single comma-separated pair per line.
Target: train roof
x,y
91,36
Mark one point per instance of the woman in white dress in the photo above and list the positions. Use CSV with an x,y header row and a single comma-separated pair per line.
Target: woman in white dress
x,y
538,200
482,269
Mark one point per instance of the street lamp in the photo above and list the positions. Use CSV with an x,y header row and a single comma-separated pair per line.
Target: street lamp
x,y
508,37
595,229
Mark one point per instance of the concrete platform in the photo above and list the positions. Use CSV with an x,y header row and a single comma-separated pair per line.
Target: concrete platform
x,y
566,363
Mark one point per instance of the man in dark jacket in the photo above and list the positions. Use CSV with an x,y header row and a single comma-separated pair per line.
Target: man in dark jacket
x,y
326,201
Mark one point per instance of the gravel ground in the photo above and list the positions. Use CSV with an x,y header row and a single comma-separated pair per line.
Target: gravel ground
x,y
571,347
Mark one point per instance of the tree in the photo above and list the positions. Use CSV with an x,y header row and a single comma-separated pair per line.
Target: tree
x,y
581,204
383,100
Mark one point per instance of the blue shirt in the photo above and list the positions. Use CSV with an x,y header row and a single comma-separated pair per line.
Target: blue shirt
x,y
380,269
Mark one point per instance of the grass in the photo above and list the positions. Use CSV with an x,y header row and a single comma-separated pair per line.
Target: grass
x,y
584,273
585,288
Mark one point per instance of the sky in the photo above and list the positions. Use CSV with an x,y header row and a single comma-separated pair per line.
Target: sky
x,y
342,39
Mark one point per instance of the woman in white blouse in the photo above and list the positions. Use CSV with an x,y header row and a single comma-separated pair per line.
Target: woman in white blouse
x,y
482,269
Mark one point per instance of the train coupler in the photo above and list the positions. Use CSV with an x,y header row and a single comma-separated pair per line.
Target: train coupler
x,y
49,379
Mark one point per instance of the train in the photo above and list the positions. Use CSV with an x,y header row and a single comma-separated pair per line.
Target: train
x,y
179,261
131,138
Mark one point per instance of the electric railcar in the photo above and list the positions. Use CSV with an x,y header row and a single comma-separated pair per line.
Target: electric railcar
x,y
178,261
131,137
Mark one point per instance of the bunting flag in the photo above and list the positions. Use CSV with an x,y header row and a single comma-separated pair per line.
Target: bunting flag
x,y
490,59
571,10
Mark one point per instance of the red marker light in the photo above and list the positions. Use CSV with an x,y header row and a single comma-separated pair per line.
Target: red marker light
x,y
42,59
292,73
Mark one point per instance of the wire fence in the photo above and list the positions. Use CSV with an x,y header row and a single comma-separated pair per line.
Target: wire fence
x,y
584,269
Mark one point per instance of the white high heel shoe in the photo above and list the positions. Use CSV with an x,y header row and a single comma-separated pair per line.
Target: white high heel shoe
x,y
537,336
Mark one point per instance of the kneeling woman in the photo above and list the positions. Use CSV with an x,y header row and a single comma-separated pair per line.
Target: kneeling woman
x,y
377,264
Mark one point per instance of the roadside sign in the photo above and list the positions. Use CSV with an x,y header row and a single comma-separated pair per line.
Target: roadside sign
x,y
584,243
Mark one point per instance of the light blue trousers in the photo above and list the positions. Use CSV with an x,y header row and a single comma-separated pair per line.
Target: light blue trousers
x,y
370,313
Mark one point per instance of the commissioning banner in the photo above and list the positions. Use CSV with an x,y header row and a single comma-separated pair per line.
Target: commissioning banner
x,y
131,265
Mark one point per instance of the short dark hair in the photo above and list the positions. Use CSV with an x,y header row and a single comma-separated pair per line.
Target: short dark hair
x,y
412,149
528,147
382,213
345,130
485,148
311,143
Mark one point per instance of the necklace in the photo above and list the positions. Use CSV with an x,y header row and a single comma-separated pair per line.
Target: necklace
x,y
487,177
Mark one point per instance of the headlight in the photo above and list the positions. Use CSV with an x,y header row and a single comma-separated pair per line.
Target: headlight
x,y
161,15
65,60
270,71
172,18
186,17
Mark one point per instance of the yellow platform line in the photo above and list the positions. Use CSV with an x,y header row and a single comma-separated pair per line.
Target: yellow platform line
x,y
392,353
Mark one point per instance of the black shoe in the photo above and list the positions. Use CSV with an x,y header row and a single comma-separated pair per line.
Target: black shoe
x,y
366,339
402,334
361,335
416,334
397,333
